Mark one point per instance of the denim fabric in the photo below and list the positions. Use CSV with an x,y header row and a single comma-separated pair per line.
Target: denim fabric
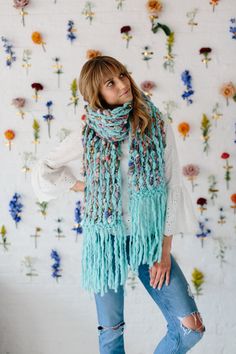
x,y
175,301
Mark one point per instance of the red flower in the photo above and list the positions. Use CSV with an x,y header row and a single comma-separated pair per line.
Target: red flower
x,y
225,155
205,50
201,201
125,29
37,86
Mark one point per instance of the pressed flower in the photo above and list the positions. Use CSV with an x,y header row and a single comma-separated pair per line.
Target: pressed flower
x,y
21,4
216,115
233,199
15,208
43,206
147,54
184,129
26,58
169,57
169,107
58,69
87,11
197,280
28,263
205,128
71,31
92,53
49,117
9,51
232,29
191,171
4,242
120,4
36,129
27,158
214,3
191,15
9,135
187,80
212,188
202,202
38,39
19,103
205,51
125,34
228,91
78,219
225,156
147,86
74,94
36,235
37,87
154,7
222,217
204,231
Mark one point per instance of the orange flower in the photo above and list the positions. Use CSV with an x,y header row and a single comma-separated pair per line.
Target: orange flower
x,y
228,91
9,134
92,53
38,39
233,198
184,128
154,6
214,2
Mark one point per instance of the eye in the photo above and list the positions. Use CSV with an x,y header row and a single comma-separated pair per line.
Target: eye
x,y
122,74
110,83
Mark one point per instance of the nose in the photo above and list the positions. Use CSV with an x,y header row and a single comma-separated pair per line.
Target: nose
x,y
122,86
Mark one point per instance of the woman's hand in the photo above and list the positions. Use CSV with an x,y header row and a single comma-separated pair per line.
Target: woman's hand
x,y
161,271
78,186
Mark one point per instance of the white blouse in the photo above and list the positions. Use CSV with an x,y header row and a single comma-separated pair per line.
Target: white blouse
x,y
51,177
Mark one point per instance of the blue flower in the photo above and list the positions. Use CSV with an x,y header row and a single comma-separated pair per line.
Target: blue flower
x,y
78,228
15,208
8,49
71,35
56,265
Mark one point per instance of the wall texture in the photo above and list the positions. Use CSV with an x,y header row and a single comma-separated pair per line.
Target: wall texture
x,y
40,315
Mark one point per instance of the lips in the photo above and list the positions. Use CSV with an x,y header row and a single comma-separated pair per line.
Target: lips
x,y
125,92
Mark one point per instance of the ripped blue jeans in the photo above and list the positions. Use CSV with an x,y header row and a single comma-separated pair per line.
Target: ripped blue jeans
x,y
175,301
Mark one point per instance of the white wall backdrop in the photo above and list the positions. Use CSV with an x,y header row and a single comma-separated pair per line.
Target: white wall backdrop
x,y
39,315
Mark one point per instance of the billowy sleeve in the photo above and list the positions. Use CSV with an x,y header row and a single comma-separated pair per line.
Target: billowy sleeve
x,y
180,214
50,176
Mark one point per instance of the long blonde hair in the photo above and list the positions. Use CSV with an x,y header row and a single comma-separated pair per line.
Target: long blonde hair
x,y
90,79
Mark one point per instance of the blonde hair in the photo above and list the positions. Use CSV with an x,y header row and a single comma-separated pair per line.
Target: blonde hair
x,y
91,76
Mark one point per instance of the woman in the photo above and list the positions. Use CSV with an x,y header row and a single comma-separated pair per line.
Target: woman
x,y
133,199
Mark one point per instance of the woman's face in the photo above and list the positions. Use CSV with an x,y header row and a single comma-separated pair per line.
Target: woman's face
x,y
116,90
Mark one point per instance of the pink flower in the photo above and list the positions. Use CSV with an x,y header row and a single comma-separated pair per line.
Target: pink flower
x,y
191,170
18,4
147,85
18,102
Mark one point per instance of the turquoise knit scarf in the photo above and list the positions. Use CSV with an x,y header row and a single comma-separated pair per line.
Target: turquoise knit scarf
x,y
104,256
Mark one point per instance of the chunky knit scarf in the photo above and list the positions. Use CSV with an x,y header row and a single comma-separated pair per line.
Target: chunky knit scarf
x,y
104,256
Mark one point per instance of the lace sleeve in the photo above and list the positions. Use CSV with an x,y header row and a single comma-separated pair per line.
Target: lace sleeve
x,y
50,176
180,215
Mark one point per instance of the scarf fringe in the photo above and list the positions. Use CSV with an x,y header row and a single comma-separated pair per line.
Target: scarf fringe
x,y
148,211
104,258
105,261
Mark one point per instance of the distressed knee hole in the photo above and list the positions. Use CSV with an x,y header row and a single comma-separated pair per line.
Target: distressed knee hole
x,y
118,326
193,322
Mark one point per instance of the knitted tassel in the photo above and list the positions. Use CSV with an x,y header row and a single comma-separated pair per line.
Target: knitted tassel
x,y
148,220
104,258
